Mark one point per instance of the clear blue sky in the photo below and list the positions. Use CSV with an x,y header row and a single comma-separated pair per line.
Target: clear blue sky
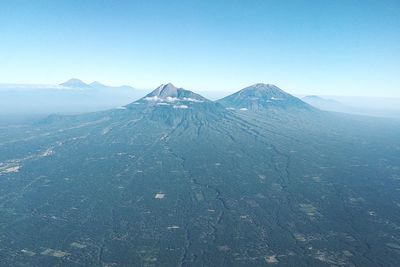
x,y
344,47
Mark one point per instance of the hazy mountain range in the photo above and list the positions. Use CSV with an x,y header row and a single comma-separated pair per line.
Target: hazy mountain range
x,y
78,84
323,103
26,103
257,178
368,106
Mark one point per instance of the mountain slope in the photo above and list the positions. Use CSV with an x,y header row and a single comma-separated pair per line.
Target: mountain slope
x,y
153,184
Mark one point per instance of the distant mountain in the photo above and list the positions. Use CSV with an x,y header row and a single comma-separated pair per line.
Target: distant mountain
x,y
79,84
260,97
319,99
326,104
76,83
71,97
99,86
316,100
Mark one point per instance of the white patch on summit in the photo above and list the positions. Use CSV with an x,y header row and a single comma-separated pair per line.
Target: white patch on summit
x,y
55,253
159,196
106,130
275,98
12,169
372,213
271,259
162,104
47,153
300,237
308,209
28,252
151,98
77,245
181,106
192,100
171,99
243,109
224,248
120,108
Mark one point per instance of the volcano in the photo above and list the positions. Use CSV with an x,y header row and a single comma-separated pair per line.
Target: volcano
x,y
262,97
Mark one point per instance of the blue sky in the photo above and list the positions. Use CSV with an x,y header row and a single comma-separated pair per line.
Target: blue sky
x,y
322,47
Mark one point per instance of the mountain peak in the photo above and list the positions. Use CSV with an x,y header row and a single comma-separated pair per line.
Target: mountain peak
x,y
318,98
173,105
98,84
170,93
166,90
324,103
262,96
75,83
263,86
